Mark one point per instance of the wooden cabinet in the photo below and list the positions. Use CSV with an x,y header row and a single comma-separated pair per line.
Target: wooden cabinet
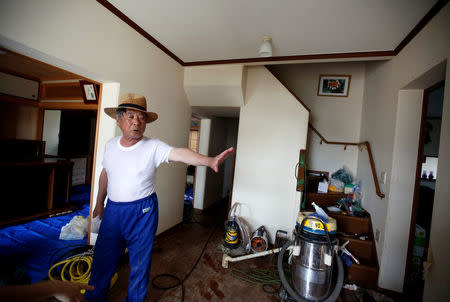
x,y
32,188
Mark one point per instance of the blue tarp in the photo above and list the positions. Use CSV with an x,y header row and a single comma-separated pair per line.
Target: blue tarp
x,y
188,195
32,245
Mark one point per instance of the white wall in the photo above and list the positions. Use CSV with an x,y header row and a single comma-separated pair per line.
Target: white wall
x,y
404,163
272,130
50,132
381,103
85,38
214,181
336,118
217,85
200,174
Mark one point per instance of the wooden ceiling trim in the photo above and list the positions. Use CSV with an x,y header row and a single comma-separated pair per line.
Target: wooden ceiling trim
x,y
368,54
139,29
348,55
427,18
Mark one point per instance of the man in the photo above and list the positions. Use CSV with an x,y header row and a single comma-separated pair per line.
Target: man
x,y
130,218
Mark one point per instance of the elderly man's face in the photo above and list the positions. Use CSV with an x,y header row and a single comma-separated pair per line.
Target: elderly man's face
x,y
132,124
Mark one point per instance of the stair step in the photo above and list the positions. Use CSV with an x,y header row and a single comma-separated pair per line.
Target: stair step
x,y
361,249
362,275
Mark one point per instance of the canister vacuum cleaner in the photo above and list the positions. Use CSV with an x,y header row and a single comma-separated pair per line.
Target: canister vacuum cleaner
x,y
311,261
313,257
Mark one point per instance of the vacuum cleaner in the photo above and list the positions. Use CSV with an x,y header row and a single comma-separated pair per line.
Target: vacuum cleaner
x,y
311,261
313,257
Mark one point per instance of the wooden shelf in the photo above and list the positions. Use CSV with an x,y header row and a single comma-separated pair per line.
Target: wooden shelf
x,y
324,199
361,249
351,224
34,188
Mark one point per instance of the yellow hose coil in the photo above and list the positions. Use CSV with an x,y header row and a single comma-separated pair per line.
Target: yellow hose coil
x,y
79,270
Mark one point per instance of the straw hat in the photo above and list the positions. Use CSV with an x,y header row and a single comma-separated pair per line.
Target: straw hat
x,y
133,101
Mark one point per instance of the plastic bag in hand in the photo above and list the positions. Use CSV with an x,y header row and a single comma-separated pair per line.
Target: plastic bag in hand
x,y
95,224
76,229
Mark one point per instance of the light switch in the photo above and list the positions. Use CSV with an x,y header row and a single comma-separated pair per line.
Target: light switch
x,y
383,177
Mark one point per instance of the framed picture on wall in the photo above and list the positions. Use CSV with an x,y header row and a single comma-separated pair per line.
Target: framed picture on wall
x,y
89,91
334,85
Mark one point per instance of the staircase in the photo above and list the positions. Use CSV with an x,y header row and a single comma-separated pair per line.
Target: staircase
x,y
364,274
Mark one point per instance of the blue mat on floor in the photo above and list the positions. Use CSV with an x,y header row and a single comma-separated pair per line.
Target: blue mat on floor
x,y
31,246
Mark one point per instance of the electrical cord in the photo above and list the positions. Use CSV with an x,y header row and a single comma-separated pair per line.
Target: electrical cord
x,y
257,276
73,250
178,280
273,290
75,268
79,268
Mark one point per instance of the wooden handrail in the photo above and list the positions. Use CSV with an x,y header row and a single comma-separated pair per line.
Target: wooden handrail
x,y
369,151
345,144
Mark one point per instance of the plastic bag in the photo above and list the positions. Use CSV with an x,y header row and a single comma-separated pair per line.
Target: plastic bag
x,y
95,224
76,229
343,175
336,185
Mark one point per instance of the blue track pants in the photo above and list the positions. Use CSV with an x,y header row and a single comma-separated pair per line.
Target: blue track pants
x,y
125,224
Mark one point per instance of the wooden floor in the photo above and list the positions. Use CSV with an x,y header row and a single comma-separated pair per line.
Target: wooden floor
x,y
176,251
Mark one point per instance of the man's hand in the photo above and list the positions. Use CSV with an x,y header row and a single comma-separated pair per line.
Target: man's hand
x,y
98,210
69,290
62,290
218,160
101,195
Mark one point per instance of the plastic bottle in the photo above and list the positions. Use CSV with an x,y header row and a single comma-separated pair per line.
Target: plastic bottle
x,y
320,211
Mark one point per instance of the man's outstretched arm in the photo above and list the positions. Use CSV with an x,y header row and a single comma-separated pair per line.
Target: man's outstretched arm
x,y
190,157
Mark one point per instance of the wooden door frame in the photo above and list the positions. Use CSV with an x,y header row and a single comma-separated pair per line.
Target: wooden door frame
x,y
415,203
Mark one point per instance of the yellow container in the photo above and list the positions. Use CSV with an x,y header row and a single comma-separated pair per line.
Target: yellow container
x,y
314,226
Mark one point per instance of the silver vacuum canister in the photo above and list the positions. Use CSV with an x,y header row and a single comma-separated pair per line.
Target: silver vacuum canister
x,y
312,269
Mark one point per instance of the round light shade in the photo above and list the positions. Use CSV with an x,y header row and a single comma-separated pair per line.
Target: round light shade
x,y
266,47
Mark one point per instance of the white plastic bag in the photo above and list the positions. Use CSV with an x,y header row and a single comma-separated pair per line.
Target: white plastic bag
x,y
95,224
76,229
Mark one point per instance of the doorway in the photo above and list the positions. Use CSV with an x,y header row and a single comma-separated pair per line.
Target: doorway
x,y
189,190
218,131
70,135
426,175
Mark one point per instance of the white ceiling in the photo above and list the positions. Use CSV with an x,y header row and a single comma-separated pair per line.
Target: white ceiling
x,y
206,30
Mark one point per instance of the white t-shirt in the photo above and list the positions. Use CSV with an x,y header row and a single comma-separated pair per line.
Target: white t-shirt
x,y
131,170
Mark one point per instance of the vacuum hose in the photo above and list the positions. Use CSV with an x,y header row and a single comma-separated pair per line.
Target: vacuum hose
x,y
331,298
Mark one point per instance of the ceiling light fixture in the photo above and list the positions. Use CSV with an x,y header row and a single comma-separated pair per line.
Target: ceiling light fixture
x,y
266,47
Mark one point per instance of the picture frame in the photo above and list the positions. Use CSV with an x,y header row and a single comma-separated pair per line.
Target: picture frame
x,y
89,91
334,85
